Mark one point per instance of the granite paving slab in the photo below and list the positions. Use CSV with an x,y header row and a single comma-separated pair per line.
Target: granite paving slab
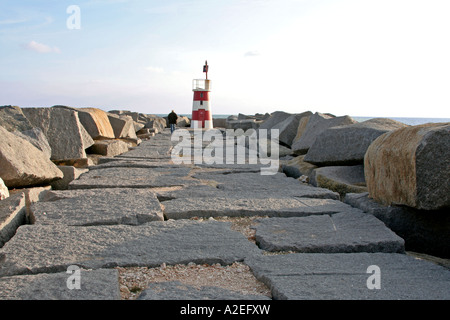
x,y
175,290
341,232
51,248
98,207
265,185
133,178
185,208
102,284
351,276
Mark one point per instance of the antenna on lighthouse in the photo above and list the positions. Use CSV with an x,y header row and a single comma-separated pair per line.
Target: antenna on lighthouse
x,y
205,69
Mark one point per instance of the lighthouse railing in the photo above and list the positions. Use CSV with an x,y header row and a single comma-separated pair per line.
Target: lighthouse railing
x,y
201,84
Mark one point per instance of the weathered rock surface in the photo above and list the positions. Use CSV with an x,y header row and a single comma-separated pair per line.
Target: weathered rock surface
x,y
108,148
133,178
96,122
70,173
12,215
411,166
66,135
22,164
99,284
4,192
274,119
98,207
322,276
123,126
341,179
175,290
422,230
13,119
288,127
344,232
245,184
37,138
52,248
297,167
347,144
185,208
317,124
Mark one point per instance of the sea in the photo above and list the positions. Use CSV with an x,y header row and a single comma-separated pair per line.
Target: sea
x,y
408,121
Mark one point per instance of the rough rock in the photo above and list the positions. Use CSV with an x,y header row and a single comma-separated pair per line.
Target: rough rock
x,y
341,232
133,178
175,290
183,121
297,167
288,127
317,124
341,179
13,119
12,215
423,230
4,192
98,207
242,124
96,122
37,138
185,208
22,164
347,144
99,284
108,148
52,248
65,134
70,173
274,119
255,185
345,276
123,126
411,166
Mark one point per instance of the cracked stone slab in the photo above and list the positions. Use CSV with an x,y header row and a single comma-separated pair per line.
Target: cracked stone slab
x,y
341,232
98,207
150,149
102,284
279,184
51,248
133,178
185,208
175,290
336,276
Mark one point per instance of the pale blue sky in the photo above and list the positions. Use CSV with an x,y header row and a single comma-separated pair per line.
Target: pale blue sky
x,y
357,57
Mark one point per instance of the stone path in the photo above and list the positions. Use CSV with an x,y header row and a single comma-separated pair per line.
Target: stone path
x,y
139,210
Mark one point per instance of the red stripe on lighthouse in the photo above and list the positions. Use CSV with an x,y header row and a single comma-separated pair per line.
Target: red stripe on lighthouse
x,y
201,96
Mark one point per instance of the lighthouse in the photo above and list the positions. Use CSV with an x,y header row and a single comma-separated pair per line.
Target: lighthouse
x,y
201,108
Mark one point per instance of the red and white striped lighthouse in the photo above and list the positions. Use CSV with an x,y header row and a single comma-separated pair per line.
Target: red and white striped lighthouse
x,y
201,108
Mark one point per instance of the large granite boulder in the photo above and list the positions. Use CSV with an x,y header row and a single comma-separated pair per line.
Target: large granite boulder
x,y
341,179
22,164
411,166
13,119
96,122
37,138
288,127
317,124
123,126
66,135
347,144
275,118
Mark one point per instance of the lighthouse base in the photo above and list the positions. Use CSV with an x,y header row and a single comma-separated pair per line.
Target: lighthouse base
x,y
196,124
